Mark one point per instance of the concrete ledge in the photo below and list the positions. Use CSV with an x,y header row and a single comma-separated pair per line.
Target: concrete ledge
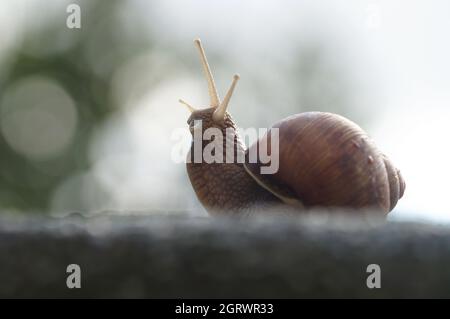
x,y
162,256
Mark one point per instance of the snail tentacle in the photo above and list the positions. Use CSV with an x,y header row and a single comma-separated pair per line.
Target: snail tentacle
x,y
219,113
191,108
213,95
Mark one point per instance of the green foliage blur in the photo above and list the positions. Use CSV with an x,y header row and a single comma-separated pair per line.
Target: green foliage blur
x,y
57,89
27,184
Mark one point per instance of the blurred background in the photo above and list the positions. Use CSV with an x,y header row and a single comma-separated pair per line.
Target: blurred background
x,y
89,117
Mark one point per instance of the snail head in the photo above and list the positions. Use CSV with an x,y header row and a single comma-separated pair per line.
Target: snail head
x,y
216,115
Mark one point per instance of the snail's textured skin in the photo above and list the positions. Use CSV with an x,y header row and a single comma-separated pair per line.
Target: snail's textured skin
x,y
224,187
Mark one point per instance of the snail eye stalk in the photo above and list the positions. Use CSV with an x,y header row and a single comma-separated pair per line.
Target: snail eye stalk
x,y
213,95
191,108
220,107
219,113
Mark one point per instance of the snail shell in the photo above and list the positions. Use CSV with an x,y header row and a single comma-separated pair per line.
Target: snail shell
x,y
327,160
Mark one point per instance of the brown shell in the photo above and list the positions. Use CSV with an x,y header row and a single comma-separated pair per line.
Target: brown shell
x,y
327,160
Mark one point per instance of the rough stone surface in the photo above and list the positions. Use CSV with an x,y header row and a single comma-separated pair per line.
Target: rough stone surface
x,y
175,256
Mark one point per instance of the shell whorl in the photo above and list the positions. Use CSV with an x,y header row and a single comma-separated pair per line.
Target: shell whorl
x,y
327,160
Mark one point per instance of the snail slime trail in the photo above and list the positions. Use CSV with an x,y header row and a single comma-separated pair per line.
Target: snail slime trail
x,y
311,159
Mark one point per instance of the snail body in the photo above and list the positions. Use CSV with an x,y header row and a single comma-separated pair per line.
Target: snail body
x,y
324,159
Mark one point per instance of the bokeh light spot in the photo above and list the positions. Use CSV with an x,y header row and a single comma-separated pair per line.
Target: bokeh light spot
x,y
38,118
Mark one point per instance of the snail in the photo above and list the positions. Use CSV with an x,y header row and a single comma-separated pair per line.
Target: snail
x,y
325,160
